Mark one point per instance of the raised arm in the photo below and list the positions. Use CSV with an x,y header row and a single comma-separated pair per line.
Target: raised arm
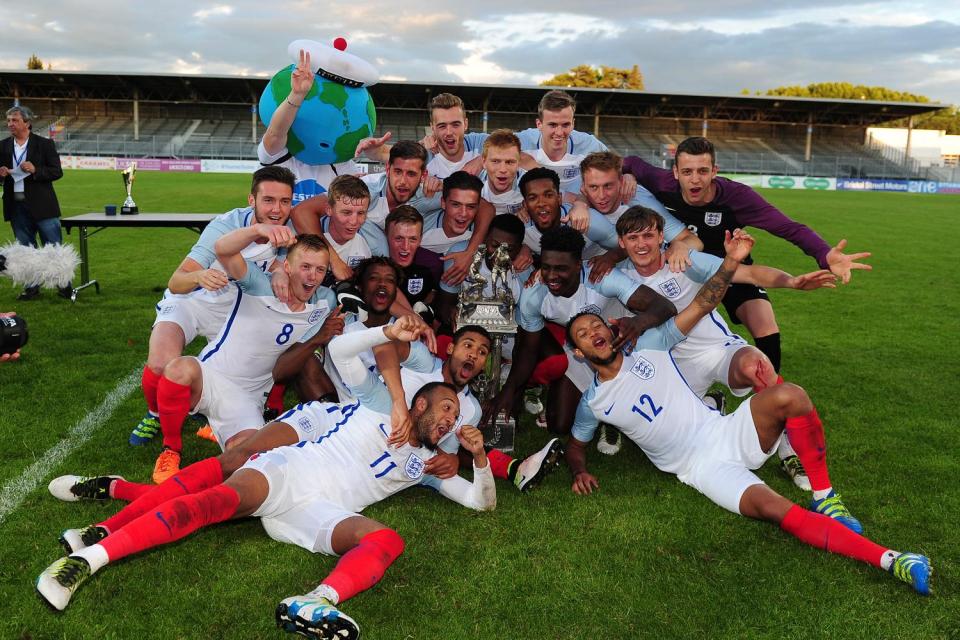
x,y
306,215
301,80
229,246
772,278
711,293
191,274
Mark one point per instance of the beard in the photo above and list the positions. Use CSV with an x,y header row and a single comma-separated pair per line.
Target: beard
x,y
423,429
595,359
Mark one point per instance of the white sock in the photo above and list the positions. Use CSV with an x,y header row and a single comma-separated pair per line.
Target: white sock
x,y
784,449
326,591
822,493
95,555
886,560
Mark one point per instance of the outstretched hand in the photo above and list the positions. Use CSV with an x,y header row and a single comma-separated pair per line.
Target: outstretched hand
x,y
371,143
278,236
738,245
841,264
814,280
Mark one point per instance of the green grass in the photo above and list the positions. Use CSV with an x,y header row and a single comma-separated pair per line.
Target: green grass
x,y
645,557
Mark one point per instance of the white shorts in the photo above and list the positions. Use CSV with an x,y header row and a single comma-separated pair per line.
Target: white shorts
x,y
578,371
296,511
702,367
197,314
229,408
728,449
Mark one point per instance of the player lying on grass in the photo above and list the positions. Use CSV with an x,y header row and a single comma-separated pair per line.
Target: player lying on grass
x,y
711,352
199,298
645,396
230,379
311,494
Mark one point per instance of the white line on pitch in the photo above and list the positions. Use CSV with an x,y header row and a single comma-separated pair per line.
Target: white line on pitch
x,y
15,491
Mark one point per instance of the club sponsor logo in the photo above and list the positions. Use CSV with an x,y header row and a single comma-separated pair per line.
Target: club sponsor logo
x,y
643,368
782,182
712,218
414,467
670,288
414,286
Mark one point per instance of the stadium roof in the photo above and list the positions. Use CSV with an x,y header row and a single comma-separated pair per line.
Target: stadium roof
x,y
244,90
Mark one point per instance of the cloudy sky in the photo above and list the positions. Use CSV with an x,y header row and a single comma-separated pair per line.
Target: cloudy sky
x,y
710,46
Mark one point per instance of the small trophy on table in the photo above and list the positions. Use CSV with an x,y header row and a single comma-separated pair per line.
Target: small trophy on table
x,y
486,300
129,207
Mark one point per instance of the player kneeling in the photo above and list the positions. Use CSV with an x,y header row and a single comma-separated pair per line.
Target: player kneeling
x,y
310,494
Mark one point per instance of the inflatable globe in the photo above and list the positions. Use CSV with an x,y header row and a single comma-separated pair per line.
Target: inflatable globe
x,y
329,124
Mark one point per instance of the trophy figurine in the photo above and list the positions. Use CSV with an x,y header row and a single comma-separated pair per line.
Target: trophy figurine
x,y
486,300
129,207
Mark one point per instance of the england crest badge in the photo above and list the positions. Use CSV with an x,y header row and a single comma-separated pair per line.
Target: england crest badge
x,y
414,467
305,424
712,218
315,316
643,368
414,286
670,288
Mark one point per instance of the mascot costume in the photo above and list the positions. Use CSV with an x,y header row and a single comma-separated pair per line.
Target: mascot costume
x,y
336,114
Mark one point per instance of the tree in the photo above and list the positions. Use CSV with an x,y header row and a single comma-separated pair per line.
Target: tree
x,y
34,62
602,77
946,119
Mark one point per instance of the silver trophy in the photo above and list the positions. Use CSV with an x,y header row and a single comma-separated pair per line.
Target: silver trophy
x,y
129,207
486,300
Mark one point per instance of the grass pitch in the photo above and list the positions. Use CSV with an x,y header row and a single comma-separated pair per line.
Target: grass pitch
x,y
645,557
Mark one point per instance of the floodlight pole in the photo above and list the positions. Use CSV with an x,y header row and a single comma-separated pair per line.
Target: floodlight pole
x,y
906,153
809,148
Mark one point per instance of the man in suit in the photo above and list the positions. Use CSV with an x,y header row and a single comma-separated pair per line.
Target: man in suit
x,y
28,165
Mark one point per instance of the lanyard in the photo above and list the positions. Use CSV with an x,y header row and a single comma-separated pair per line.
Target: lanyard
x,y
16,160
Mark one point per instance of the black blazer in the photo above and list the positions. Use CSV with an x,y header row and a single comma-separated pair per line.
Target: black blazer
x,y
38,187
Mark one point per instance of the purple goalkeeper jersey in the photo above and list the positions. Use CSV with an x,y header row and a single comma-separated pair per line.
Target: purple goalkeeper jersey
x,y
735,205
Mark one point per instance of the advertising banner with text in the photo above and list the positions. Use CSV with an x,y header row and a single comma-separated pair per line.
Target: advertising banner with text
x,y
799,182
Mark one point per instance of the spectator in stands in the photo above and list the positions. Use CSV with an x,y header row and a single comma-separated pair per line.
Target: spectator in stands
x,y
28,165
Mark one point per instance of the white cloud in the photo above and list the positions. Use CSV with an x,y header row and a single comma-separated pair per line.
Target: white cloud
x,y
54,25
216,10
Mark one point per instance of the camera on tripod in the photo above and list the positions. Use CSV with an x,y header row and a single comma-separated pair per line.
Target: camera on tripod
x,y
13,334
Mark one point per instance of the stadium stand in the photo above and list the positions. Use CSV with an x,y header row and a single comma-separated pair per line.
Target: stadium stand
x,y
165,115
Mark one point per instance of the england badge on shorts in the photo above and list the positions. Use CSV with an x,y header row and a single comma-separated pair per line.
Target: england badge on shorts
x,y
670,288
414,467
643,368
712,218
414,286
305,425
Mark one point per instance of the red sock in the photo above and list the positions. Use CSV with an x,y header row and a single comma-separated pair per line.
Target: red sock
x,y
499,463
197,477
549,369
275,399
130,491
364,565
823,532
806,437
173,401
172,520
149,381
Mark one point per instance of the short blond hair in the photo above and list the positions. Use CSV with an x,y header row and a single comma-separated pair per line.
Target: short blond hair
x,y
501,138
601,161
350,187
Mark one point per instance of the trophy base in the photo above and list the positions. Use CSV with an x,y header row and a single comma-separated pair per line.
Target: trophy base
x,y
500,435
129,211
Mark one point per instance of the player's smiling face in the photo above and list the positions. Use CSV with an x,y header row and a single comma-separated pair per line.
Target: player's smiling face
x,y
403,240
438,416
379,287
467,357
592,339
306,269
643,248
560,272
601,189
542,199
271,204
347,215
501,165
695,175
448,126
555,128
403,178
459,210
